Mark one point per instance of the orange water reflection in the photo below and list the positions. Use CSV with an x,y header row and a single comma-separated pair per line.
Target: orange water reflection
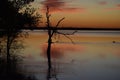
x,y
58,50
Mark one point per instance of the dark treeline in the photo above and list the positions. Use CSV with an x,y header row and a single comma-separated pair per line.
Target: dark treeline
x,y
15,14
63,28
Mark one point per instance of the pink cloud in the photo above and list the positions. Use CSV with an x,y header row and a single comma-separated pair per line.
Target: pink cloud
x,y
59,6
118,5
74,9
103,3
53,3
58,50
65,10
114,8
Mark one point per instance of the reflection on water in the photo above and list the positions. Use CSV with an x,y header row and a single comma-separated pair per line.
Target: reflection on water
x,y
93,56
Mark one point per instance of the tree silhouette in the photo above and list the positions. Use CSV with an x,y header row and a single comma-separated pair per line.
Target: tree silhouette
x,y
50,35
53,30
14,16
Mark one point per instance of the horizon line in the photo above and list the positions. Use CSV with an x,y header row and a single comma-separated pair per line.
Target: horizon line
x,y
64,28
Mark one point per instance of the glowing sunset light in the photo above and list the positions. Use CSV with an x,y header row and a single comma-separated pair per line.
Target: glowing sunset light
x,y
82,13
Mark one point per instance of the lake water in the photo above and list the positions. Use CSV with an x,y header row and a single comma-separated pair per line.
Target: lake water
x,y
86,55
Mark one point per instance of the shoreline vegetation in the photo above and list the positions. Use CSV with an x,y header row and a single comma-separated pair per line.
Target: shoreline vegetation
x,y
15,14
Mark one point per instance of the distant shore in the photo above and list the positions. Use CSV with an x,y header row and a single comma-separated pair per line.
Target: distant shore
x,y
65,28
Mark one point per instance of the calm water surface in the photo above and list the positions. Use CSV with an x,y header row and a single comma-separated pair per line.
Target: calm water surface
x,y
93,55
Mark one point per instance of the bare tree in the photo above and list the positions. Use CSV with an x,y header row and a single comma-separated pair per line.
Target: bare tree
x,y
52,30
50,35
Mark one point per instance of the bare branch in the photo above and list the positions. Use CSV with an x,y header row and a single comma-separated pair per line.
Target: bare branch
x,y
66,36
54,31
59,22
69,38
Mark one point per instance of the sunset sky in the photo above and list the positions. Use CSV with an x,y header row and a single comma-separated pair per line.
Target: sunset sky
x,y
82,13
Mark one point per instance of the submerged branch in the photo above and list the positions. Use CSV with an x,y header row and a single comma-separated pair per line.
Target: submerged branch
x,y
66,35
59,22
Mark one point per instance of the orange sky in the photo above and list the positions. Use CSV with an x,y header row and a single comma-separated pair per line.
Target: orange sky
x,y
82,13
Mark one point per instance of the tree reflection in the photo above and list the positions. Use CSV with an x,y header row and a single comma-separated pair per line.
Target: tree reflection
x,y
53,72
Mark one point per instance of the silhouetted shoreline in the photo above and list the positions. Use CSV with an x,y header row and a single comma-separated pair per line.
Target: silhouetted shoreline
x,y
64,28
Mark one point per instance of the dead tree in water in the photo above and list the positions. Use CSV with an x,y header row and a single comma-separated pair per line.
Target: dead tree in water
x,y
50,34
52,30
49,43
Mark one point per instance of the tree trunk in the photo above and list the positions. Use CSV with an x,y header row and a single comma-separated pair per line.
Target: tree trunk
x,y
49,39
49,49
49,54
